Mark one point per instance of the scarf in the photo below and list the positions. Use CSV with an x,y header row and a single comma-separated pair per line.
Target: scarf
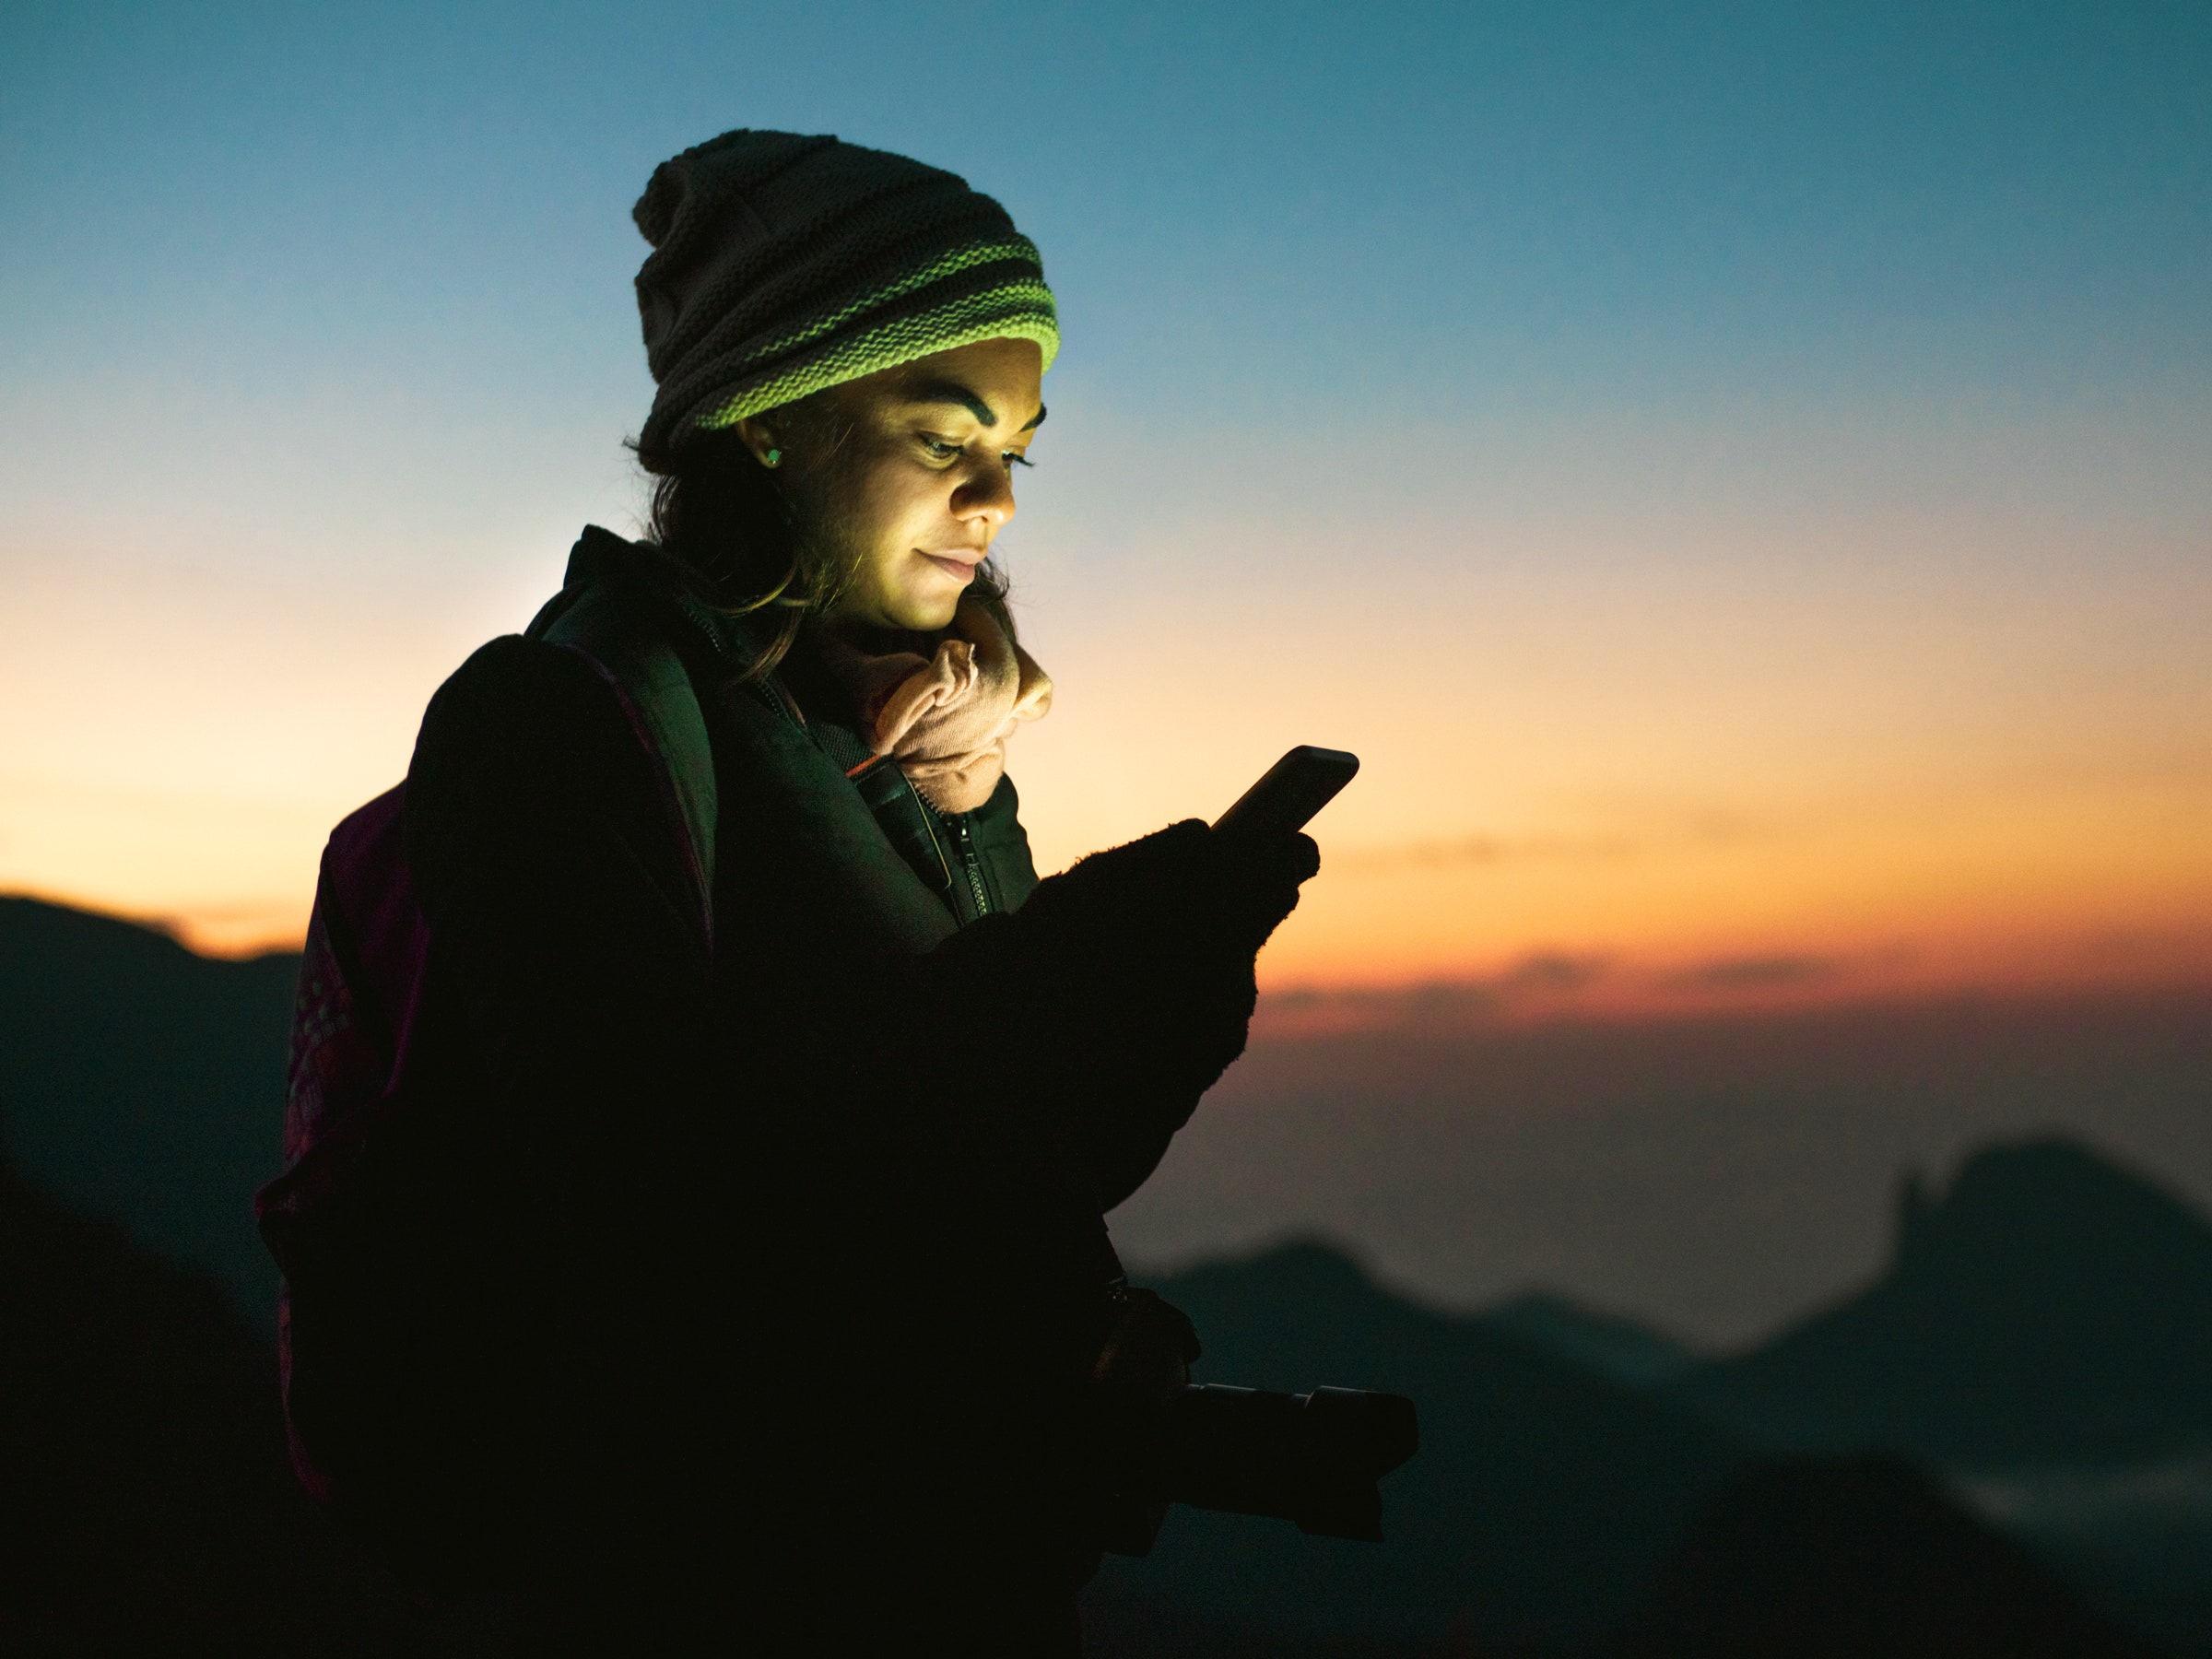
x,y
944,718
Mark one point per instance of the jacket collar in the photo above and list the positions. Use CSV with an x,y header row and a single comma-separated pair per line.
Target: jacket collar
x,y
602,557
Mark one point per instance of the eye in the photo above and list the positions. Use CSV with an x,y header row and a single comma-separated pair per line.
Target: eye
x,y
938,449
1015,458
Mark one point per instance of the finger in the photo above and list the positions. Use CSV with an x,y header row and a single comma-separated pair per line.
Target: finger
x,y
1287,861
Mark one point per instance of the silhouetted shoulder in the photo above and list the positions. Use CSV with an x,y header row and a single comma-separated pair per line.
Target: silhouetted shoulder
x,y
525,753
516,689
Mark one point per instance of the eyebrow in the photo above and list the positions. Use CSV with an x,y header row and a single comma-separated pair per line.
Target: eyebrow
x,y
952,392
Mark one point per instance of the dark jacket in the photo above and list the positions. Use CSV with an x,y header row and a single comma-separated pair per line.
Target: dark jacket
x,y
792,1220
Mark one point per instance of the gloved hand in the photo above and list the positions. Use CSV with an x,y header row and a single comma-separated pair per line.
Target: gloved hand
x,y
1143,1361
1156,937
1147,1342
1125,983
1183,887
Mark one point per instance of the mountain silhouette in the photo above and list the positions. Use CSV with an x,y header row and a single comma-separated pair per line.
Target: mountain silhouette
x,y
144,1085
143,1481
144,1486
1852,1559
1118,1627
2050,1307
1542,1497
2136,1538
1622,1348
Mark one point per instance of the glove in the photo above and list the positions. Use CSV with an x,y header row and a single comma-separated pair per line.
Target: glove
x,y
1143,1363
1185,890
1157,939
1122,989
1148,1343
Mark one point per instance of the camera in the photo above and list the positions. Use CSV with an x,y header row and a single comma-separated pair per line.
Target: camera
x,y
1313,1459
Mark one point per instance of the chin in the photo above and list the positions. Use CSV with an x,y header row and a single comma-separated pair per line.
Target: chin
x,y
926,616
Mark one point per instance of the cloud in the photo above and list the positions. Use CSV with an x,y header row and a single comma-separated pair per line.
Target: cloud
x,y
1431,1005
1481,848
1660,829
1553,983
1753,973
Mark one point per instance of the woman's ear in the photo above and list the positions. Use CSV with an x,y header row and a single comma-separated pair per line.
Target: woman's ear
x,y
760,439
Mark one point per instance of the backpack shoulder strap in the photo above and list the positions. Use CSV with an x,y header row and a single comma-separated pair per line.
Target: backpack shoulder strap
x,y
619,638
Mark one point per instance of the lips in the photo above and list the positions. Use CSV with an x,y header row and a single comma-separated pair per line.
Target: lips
x,y
961,570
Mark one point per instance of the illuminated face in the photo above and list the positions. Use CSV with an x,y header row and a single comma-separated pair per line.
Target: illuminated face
x,y
913,470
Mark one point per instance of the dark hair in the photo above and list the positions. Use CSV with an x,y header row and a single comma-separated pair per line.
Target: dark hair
x,y
735,536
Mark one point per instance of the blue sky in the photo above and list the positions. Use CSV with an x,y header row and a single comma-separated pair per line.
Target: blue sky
x,y
1689,389
1322,222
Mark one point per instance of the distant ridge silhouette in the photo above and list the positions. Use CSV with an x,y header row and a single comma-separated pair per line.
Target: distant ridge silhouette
x,y
2052,1307
1552,1508
2049,1306
144,1085
144,1486
1544,1495
1856,1558
1622,1348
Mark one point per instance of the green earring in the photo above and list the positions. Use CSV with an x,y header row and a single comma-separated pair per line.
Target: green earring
x,y
772,458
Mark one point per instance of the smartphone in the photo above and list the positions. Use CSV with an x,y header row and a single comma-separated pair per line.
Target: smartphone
x,y
1294,789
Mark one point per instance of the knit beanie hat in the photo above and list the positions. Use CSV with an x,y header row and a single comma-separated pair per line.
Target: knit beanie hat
x,y
782,264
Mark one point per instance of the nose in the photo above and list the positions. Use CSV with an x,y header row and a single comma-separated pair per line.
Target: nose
x,y
984,497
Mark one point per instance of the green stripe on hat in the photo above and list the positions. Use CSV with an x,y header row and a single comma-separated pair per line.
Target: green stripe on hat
x,y
1017,310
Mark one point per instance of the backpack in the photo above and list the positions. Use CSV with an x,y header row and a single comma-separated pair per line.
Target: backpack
x,y
435,1502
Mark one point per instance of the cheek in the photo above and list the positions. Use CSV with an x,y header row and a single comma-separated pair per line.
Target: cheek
x,y
900,508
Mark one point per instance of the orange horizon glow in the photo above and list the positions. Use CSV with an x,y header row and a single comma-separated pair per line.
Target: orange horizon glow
x,y
1607,981
1607,912
1713,762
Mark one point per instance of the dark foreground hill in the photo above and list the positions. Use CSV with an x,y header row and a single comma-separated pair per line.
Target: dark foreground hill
x,y
2050,1307
144,1489
1852,1559
144,1492
1553,1510
1625,1350
144,1084
141,1463
1544,1495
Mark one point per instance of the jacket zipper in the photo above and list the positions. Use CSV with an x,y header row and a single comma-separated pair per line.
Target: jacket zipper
x,y
971,863
781,700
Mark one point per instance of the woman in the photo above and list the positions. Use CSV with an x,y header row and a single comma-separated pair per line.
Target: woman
x,y
782,1099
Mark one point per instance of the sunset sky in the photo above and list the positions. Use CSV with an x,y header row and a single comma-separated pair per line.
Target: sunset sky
x,y
1740,476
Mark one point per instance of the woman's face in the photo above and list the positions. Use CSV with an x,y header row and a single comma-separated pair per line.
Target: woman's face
x,y
910,472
